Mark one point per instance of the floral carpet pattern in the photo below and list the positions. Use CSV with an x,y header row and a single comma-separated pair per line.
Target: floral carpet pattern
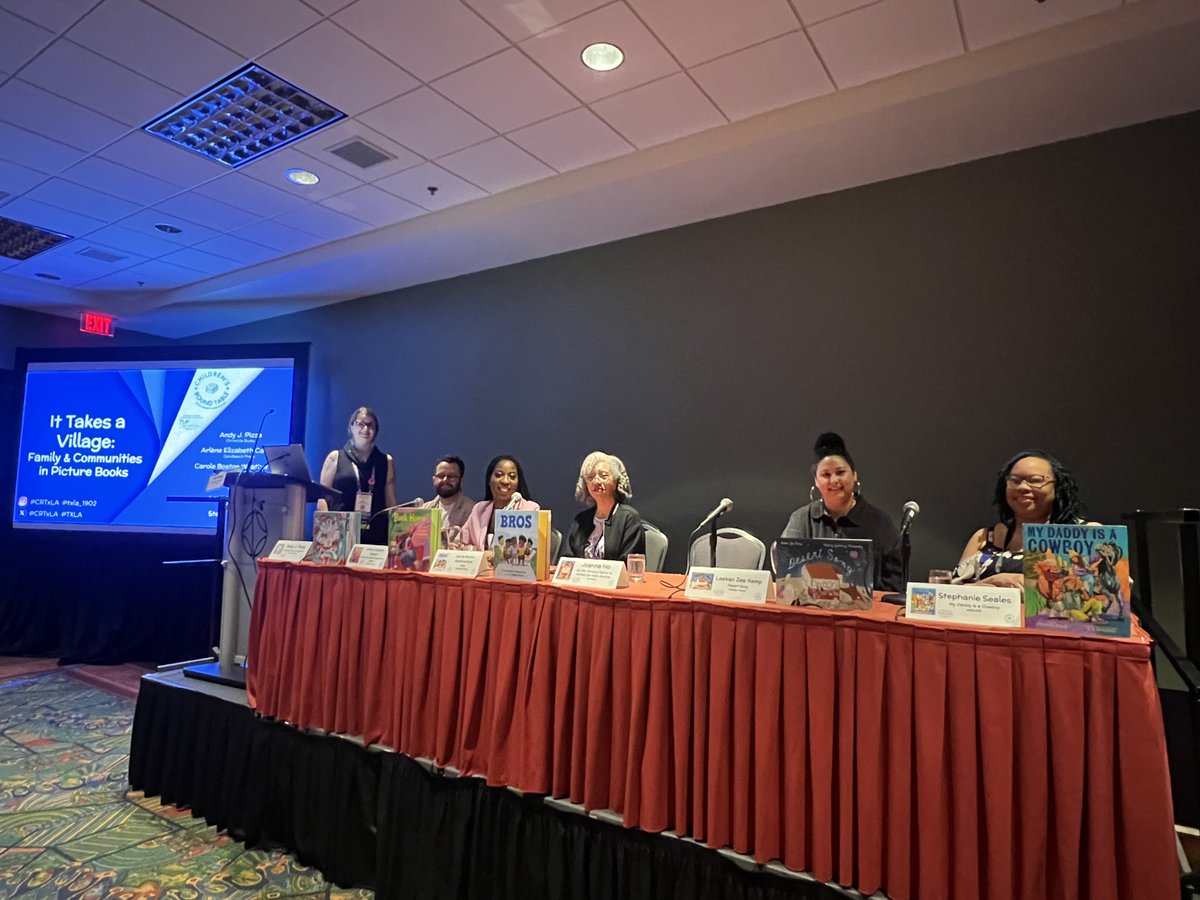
x,y
70,827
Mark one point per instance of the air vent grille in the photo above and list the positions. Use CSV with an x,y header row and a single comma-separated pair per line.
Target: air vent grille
x,y
359,153
102,255
21,241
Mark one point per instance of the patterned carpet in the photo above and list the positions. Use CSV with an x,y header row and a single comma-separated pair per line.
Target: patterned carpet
x,y
69,826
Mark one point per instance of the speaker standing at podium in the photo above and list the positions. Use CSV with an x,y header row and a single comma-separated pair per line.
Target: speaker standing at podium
x,y
363,474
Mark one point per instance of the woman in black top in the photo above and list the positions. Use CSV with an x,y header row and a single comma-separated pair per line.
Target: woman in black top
x,y
362,470
609,528
841,512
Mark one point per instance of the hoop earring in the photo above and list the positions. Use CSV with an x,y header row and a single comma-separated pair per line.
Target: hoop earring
x,y
813,494
857,489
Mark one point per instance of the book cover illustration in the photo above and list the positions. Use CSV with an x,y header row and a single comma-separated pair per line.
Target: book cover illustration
x,y
1077,579
414,538
333,534
521,546
832,573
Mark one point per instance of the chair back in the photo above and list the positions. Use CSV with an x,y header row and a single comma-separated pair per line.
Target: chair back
x,y
555,545
656,548
736,549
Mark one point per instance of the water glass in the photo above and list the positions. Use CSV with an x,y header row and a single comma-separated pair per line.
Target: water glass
x,y
635,563
940,576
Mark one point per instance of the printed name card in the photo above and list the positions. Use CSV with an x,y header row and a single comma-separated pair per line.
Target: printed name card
x,y
606,574
290,551
216,481
743,585
966,604
463,563
367,556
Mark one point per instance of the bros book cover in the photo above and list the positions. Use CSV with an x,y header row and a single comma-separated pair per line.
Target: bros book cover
x,y
1077,579
414,538
333,534
521,546
832,573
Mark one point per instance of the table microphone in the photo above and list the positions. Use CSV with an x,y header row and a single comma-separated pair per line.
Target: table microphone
x,y
911,508
254,449
407,504
723,507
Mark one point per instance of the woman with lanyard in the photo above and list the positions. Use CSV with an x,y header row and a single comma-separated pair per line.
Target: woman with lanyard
x,y
364,475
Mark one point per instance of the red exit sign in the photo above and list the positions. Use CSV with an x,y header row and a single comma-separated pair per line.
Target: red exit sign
x,y
96,323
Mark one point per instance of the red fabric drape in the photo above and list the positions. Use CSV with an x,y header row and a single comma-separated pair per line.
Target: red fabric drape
x,y
924,761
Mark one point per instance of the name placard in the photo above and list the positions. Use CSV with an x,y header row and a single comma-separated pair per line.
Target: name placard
x,y
743,585
290,551
367,556
463,563
965,604
606,574
216,481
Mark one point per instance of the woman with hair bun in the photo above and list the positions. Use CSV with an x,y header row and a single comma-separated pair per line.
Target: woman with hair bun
x,y
609,528
841,512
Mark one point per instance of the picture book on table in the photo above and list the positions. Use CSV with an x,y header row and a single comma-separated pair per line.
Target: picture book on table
x,y
333,534
521,546
832,573
414,538
1077,579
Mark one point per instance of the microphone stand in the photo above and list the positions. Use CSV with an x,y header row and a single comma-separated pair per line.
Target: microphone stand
x,y
712,543
905,556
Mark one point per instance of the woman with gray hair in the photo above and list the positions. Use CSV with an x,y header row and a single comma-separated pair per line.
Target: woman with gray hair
x,y
609,528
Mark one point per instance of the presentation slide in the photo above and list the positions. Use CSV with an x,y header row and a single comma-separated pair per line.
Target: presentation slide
x,y
104,444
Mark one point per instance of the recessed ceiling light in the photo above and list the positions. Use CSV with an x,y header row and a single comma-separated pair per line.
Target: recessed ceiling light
x,y
48,276
602,57
301,176
168,229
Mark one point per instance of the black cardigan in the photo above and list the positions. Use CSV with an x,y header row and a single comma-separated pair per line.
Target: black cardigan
x,y
623,532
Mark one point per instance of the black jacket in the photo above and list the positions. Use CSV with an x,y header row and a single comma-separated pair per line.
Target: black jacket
x,y
623,533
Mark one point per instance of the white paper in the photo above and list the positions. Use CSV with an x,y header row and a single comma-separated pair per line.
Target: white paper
x,y
965,604
742,585
604,574
463,563
290,551
367,556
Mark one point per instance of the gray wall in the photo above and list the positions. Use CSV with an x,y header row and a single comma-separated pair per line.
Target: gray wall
x,y
939,322
22,328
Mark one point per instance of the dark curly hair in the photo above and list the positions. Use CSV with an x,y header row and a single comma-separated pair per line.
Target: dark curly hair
x,y
830,443
522,487
1067,507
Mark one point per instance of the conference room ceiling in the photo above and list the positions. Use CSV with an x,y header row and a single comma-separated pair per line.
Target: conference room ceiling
x,y
501,146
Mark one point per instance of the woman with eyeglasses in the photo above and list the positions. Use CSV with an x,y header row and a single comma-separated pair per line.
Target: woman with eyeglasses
x,y
1032,488
363,475
609,528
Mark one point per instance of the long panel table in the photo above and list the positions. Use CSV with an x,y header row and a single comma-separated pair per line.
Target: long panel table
x,y
924,761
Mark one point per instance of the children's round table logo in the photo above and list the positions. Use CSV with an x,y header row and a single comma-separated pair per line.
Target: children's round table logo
x,y
211,390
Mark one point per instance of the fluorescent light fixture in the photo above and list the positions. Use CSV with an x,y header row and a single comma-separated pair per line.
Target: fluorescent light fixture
x,y
301,176
602,57
243,116
19,240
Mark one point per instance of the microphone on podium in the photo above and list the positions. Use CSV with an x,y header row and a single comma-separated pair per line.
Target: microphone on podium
x,y
407,504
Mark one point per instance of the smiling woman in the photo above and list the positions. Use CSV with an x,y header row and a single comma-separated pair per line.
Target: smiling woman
x,y
609,528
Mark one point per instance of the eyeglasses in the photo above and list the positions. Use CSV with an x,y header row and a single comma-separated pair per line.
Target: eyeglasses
x,y
1034,481
365,423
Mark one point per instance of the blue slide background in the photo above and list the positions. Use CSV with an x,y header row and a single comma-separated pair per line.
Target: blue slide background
x,y
148,399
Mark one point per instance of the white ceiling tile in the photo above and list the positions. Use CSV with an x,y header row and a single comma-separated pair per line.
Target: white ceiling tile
x,y
659,112
212,213
813,11
506,91
325,223
428,123
767,76
245,252
35,151
361,78
414,184
270,168
557,51
56,15
33,212
191,258
246,28
15,179
274,234
328,7
699,30
986,22
133,241
518,20
20,41
68,273
427,37
143,223
44,113
891,36
80,199
134,280
496,165
120,181
372,205
167,161
164,274
572,140
319,146
250,194
6,263
150,42
69,258
79,75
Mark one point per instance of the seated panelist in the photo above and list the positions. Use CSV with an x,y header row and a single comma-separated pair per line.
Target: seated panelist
x,y
363,474
609,528
504,488
841,512
1031,488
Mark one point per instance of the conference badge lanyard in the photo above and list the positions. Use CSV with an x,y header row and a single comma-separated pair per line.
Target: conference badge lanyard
x,y
362,499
